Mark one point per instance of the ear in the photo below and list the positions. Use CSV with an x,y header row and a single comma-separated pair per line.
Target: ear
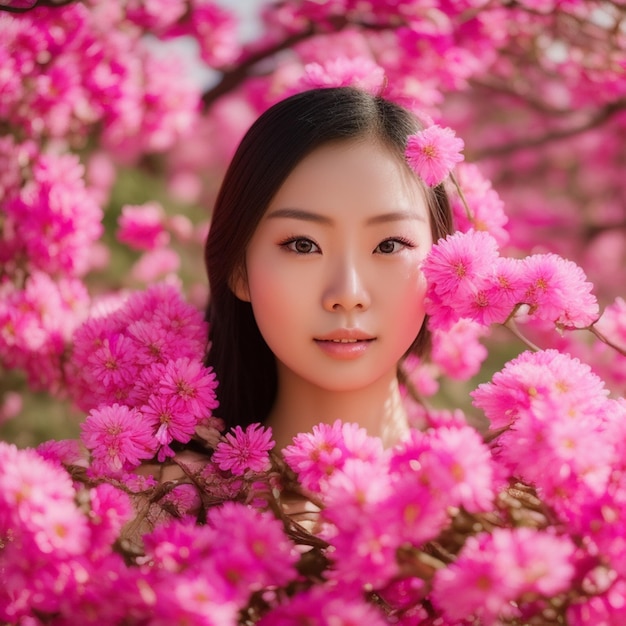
x,y
238,284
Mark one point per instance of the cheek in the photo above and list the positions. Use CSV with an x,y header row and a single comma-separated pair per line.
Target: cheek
x,y
406,304
276,301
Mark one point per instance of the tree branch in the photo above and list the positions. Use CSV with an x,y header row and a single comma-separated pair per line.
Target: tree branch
x,y
232,78
599,118
11,6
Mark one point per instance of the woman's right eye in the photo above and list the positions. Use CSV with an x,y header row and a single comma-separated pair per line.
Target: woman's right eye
x,y
301,245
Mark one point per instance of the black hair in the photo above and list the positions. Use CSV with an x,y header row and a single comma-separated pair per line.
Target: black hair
x,y
273,146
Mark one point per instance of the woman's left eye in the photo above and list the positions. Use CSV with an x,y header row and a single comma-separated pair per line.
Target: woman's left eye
x,y
389,246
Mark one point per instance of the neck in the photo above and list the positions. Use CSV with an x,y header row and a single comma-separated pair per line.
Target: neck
x,y
300,405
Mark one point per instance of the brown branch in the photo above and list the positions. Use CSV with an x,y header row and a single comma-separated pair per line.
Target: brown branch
x,y
594,230
522,98
29,5
232,78
600,117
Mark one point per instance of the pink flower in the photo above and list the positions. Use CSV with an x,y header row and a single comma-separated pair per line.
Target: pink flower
x,y
461,261
365,555
458,351
37,505
433,152
196,599
360,72
113,364
63,452
155,15
110,510
10,405
170,422
493,300
315,456
359,445
56,220
351,492
36,321
191,385
245,450
153,344
573,454
183,501
557,290
458,270
607,607
534,375
142,227
155,265
253,551
119,438
493,570
177,546
214,27
452,461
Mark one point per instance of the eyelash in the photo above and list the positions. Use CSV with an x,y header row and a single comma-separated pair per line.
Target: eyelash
x,y
289,244
401,240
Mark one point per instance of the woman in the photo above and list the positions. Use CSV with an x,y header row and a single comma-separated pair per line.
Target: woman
x,y
313,261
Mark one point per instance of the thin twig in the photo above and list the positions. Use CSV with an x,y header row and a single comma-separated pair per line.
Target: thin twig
x,y
456,184
604,339
512,326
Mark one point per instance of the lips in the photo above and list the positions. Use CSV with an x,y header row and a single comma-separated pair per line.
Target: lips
x,y
345,344
346,335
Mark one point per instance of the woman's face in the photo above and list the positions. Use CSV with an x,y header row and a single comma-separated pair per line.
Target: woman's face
x,y
333,268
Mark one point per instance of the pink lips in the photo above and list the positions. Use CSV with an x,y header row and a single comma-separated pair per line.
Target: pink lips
x,y
345,343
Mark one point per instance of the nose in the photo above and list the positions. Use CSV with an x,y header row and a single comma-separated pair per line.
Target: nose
x,y
346,288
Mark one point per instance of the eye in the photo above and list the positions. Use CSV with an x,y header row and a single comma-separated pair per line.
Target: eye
x,y
390,246
301,245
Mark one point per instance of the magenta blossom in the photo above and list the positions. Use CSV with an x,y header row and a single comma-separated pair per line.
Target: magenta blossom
x,y
142,227
557,290
119,438
37,507
433,152
315,456
252,550
245,450
492,570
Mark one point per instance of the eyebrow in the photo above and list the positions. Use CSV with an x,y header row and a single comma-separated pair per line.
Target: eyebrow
x,y
308,216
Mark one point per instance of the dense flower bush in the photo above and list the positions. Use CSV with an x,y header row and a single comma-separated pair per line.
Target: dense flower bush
x,y
155,515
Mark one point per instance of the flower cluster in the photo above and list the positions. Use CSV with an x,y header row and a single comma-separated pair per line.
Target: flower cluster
x,y
50,218
57,89
442,528
138,371
467,278
37,322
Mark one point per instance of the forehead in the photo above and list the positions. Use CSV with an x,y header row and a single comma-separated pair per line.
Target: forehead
x,y
361,175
